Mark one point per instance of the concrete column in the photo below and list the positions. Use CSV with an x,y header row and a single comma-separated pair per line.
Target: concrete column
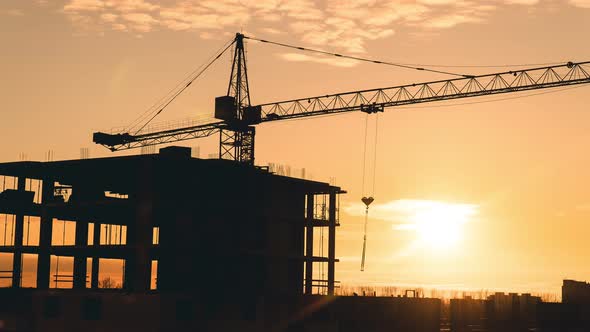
x,y
44,261
331,242
169,248
309,244
139,241
139,234
18,239
95,259
80,262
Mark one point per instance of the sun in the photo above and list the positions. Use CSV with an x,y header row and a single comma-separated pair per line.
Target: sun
x,y
430,224
440,225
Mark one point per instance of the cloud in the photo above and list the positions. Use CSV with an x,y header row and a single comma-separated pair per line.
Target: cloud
x,y
131,6
139,18
271,31
76,6
301,10
119,27
450,21
140,22
405,213
124,6
176,25
268,17
346,26
12,12
108,17
583,207
580,3
522,2
118,15
298,57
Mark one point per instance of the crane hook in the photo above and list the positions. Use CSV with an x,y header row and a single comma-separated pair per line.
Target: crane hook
x,y
367,201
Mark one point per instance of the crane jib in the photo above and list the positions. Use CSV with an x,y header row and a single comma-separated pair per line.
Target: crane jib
x,y
489,84
311,107
236,116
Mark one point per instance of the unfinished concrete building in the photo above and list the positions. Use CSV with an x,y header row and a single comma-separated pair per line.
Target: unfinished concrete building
x,y
200,245
201,222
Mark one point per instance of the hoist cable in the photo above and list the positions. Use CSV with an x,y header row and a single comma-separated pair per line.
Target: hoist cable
x,y
375,154
358,58
368,200
365,155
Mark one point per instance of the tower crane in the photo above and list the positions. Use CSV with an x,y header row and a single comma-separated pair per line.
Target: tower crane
x,y
236,117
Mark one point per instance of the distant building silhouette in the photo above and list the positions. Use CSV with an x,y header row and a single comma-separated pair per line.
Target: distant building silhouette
x,y
575,292
499,312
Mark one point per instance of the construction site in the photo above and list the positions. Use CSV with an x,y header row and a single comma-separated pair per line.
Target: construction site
x,y
235,250
221,260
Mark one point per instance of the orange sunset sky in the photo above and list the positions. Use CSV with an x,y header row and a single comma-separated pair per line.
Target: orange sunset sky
x,y
475,193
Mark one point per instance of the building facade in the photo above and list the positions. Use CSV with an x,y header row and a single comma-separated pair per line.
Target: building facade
x,y
183,224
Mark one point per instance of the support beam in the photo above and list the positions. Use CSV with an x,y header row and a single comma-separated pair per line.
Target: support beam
x,y
44,261
309,244
80,262
331,242
95,258
18,239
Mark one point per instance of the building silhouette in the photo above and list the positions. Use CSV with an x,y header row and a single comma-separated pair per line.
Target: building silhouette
x,y
575,292
230,247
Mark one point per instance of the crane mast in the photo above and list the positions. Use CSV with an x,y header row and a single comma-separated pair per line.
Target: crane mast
x,y
236,140
237,116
